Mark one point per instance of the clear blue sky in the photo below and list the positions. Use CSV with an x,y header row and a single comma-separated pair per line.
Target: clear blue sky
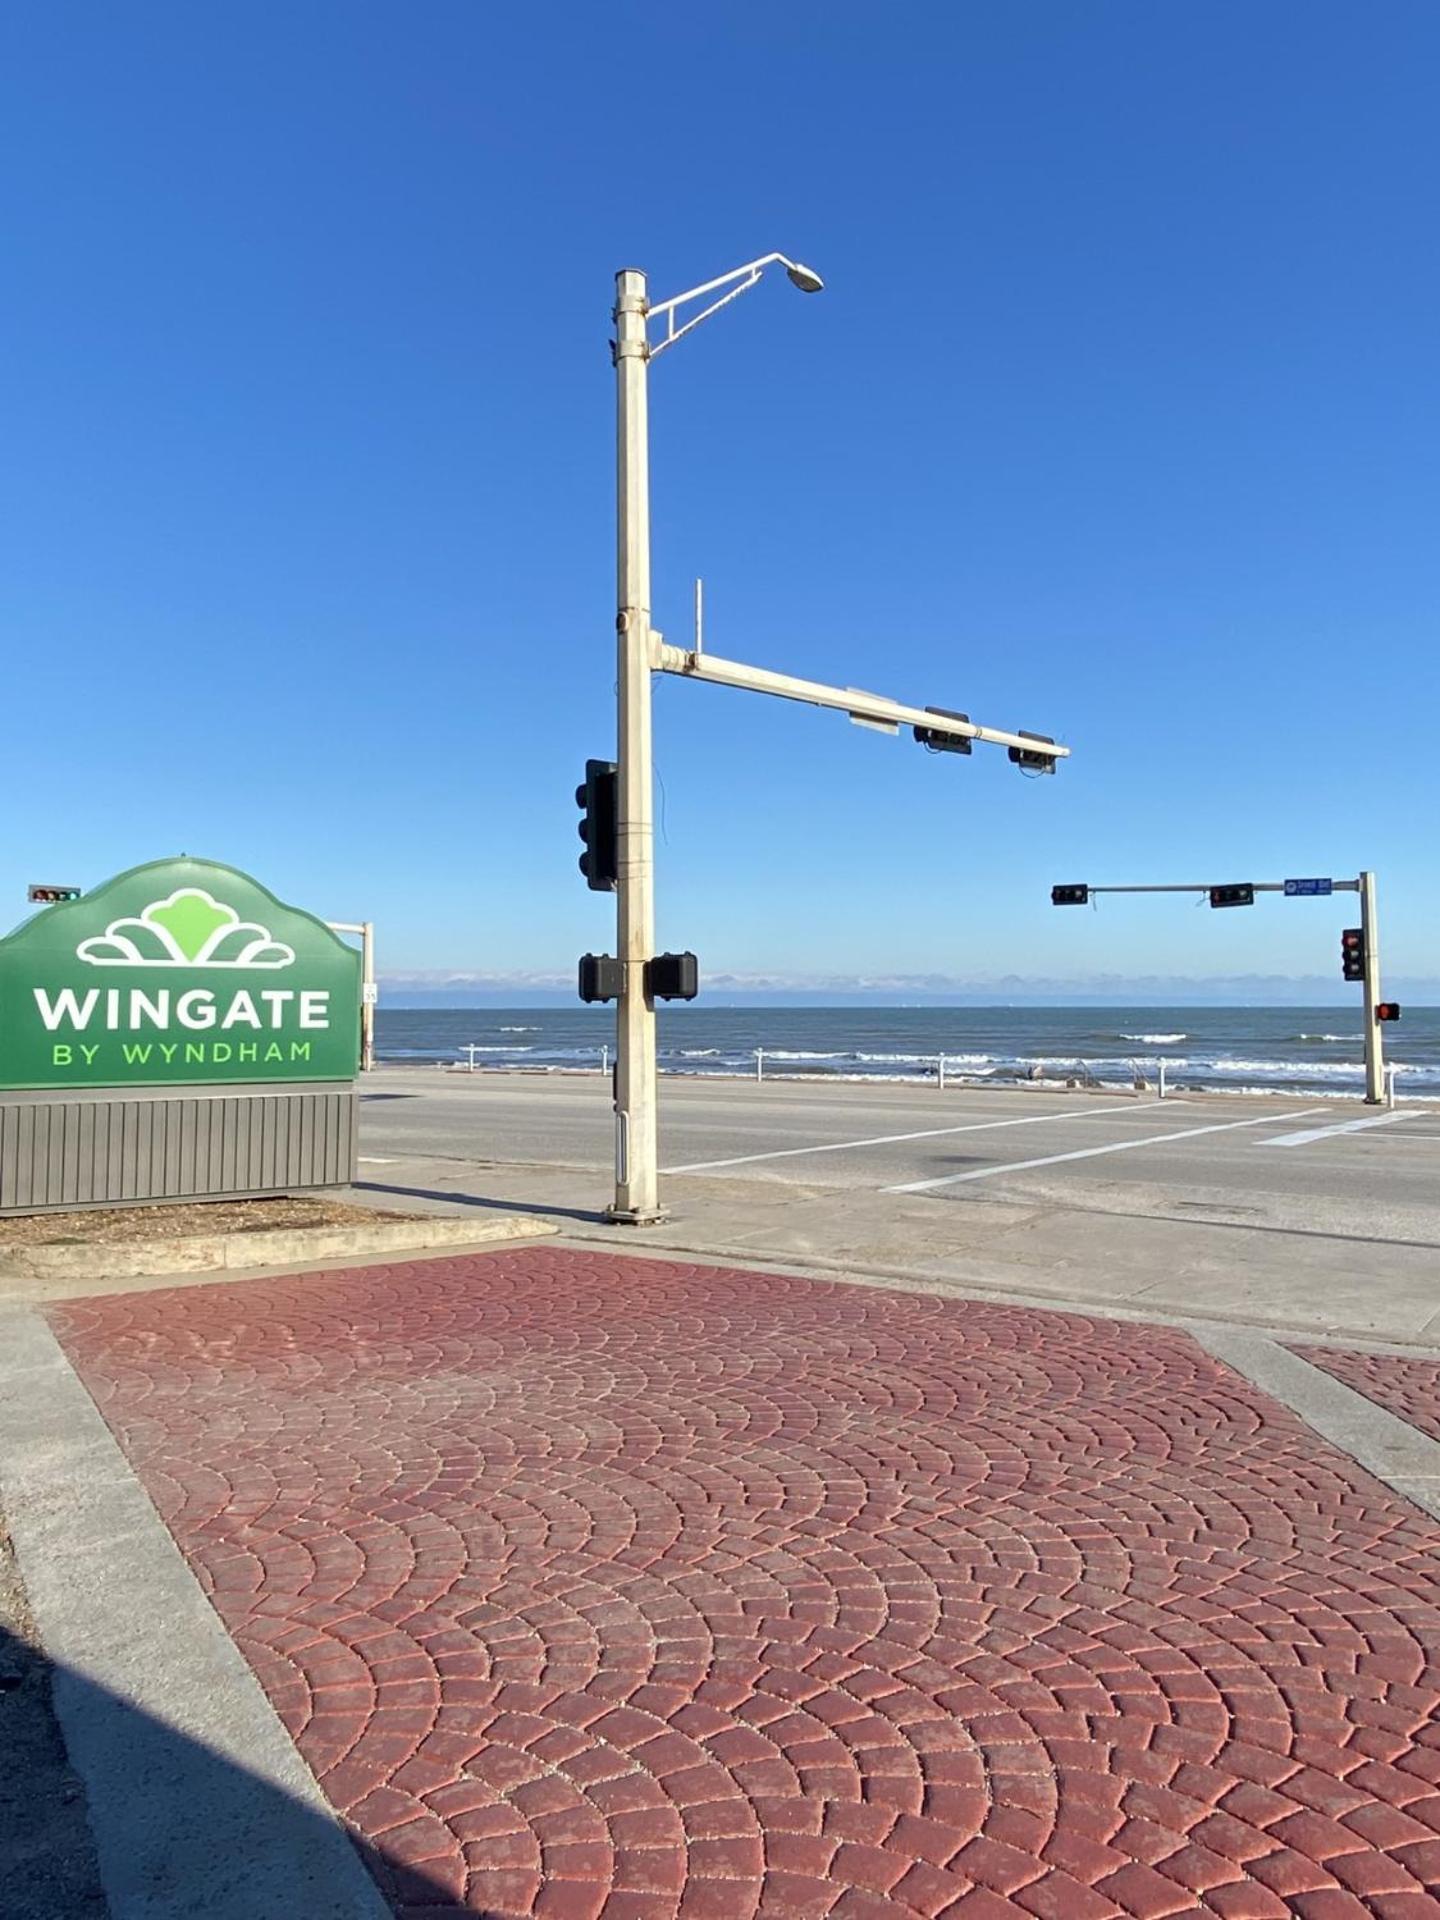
x,y
1118,419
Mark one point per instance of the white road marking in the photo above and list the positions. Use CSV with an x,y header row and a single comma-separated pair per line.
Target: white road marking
x,y
1089,1153
1304,1138
374,1160
890,1139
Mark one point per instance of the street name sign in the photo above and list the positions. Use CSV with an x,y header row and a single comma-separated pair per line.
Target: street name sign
x,y
1307,889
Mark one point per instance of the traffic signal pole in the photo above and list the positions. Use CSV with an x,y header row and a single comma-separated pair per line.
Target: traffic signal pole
x,y
639,653
637,1173
1364,886
1374,1050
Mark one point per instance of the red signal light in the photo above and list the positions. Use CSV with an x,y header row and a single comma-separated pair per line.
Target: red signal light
x,y
1387,1010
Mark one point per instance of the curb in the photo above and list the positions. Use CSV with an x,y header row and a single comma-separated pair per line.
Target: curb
x,y
270,1246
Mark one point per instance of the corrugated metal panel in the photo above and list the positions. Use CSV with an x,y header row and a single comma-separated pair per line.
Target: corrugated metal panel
x,y
123,1149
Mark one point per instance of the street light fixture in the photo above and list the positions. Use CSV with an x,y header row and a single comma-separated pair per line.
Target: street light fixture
x,y
739,281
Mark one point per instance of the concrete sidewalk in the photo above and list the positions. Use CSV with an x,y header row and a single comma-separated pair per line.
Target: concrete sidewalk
x,y
1155,1267
625,1588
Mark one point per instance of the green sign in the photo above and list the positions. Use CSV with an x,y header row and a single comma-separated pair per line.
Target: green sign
x,y
176,972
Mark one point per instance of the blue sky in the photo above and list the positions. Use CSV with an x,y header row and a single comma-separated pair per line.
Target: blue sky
x,y
1118,419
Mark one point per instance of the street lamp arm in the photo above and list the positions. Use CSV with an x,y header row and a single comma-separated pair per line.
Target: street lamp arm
x,y
739,281
674,333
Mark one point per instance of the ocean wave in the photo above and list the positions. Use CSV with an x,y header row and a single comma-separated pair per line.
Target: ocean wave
x,y
1356,1038
1156,1039
921,1059
518,1029
1287,1070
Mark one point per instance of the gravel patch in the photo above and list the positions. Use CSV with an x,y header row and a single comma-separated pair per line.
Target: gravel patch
x,y
110,1224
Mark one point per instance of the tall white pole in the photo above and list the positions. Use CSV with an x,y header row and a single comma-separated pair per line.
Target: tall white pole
x,y
637,1183
1374,1050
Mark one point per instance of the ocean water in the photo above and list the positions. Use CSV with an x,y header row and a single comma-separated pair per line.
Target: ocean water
x,y
1310,1050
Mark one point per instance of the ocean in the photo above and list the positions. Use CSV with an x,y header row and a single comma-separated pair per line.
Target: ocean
x,y
1309,1050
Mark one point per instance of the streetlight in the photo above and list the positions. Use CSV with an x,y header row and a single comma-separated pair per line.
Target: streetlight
x,y
641,652
637,1183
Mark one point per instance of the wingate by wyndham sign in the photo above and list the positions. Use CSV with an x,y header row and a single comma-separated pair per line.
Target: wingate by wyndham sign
x,y
179,973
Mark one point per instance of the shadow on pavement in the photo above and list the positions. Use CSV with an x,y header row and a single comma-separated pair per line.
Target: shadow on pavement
x,y
266,1855
591,1214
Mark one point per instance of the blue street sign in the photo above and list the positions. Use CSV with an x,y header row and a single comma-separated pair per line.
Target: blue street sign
x,y
1307,889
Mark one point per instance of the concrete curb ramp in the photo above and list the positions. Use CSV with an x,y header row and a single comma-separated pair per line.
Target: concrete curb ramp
x,y
198,1800
267,1247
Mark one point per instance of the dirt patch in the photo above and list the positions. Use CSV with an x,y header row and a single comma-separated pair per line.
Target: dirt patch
x,y
110,1224
48,1869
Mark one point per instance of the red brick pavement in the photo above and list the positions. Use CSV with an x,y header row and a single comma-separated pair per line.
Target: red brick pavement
x,y
1404,1386
603,1587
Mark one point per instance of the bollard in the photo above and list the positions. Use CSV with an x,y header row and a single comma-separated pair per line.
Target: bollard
x,y
942,1073
1390,1073
604,1060
759,1063
1160,1078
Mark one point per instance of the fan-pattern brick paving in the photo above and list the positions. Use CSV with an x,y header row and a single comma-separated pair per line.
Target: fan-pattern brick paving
x,y
1403,1384
593,1586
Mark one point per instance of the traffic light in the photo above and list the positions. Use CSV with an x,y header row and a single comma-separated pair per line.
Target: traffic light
x,y
1237,896
1352,953
48,896
1031,759
598,800
1069,896
1387,1010
938,741
673,976
601,977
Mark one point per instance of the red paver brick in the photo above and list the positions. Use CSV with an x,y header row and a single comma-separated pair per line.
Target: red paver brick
x,y
928,1890
605,1589
570,1900
1148,1895
1247,1900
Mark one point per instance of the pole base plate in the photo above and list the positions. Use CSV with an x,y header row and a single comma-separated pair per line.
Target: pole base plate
x,y
636,1216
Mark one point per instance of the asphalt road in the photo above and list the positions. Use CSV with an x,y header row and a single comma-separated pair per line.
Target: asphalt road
x,y
1322,1167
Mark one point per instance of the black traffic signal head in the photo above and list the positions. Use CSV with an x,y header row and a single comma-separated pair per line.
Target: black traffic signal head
x,y
1352,953
673,976
936,738
1240,895
48,896
598,799
1032,759
1069,896
1387,1010
601,977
